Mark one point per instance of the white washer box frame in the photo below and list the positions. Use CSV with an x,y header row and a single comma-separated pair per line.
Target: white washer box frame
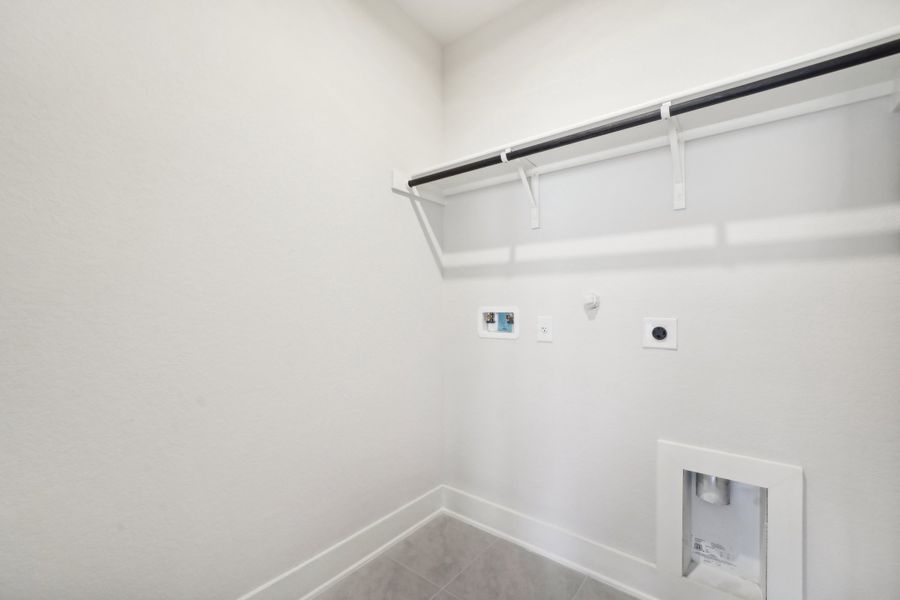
x,y
784,485
500,335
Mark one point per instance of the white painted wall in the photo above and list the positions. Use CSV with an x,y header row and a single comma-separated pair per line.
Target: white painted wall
x,y
202,272
787,340
787,345
550,63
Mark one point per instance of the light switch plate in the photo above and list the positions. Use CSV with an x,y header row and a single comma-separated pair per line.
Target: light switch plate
x,y
545,329
661,333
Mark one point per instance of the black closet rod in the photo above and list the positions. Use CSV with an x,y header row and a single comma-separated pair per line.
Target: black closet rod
x,y
754,87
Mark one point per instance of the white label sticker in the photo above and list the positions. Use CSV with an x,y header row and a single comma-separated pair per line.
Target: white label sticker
x,y
712,553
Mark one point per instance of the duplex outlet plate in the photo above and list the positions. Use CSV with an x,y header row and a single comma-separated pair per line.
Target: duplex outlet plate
x,y
545,329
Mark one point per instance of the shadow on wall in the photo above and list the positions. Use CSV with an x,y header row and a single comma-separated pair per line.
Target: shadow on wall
x,y
821,186
849,233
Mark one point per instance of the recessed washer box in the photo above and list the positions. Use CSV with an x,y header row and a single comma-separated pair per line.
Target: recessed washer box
x,y
725,526
729,522
498,322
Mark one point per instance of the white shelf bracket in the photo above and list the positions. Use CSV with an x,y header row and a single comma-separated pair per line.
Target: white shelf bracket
x,y
676,145
400,186
532,190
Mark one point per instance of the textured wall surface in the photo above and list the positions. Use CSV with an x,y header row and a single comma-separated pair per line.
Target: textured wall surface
x,y
208,372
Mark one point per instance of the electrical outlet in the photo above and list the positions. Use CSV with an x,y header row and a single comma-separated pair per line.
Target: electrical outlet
x,y
545,329
661,333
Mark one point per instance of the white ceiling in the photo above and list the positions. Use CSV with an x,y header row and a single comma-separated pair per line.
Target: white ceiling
x,y
448,20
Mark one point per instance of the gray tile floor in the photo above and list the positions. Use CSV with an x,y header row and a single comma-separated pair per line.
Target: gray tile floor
x,y
446,559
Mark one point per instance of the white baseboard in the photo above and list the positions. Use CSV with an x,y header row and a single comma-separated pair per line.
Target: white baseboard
x,y
631,574
313,575
618,569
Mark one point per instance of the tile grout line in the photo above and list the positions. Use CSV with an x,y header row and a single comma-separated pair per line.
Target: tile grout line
x,y
359,565
461,571
569,564
584,579
452,579
383,553
404,567
469,564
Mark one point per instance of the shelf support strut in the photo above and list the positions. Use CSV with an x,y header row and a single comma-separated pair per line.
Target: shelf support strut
x,y
676,145
532,190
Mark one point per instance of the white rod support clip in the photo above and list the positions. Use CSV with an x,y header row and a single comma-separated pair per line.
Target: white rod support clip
x,y
400,186
676,145
532,190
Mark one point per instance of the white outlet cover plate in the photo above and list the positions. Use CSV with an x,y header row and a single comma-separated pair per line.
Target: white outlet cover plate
x,y
671,326
545,324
